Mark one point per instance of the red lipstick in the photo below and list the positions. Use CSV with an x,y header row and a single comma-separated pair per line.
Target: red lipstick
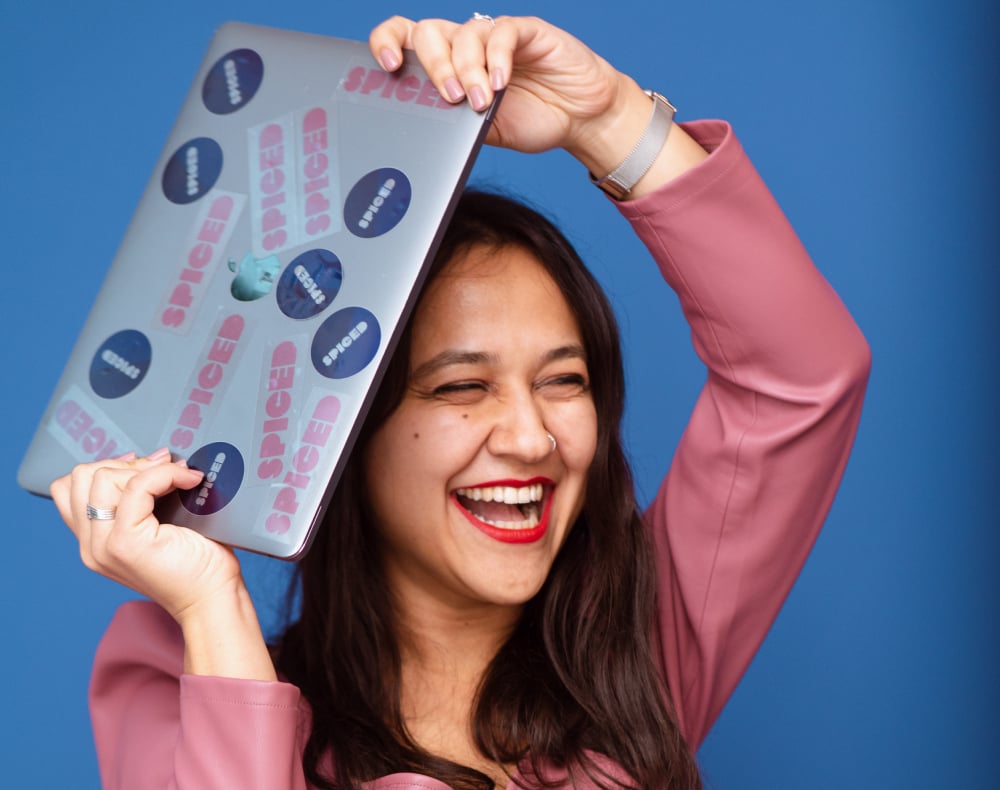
x,y
529,535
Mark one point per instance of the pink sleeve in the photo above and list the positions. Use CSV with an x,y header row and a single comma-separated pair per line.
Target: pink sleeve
x,y
756,470
157,728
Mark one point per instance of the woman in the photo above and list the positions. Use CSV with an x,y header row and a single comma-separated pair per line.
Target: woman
x,y
479,610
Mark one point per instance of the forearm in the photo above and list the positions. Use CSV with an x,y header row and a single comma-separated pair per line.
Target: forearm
x,y
222,637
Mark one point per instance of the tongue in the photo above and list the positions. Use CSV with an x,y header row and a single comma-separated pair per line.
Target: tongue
x,y
492,511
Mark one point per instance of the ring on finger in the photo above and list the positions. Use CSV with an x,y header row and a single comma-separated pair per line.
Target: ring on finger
x,y
101,513
477,17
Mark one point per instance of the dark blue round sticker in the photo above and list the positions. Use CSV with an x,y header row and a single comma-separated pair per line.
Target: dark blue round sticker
x,y
223,467
120,364
346,342
377,203
309,284
192,170
232,81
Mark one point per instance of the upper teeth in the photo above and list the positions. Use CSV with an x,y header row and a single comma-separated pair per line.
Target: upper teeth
x,y
511,495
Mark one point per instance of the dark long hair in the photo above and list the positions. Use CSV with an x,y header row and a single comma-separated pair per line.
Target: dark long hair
x,y
576,677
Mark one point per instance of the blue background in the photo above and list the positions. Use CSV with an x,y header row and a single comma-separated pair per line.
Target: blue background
x,y
873,123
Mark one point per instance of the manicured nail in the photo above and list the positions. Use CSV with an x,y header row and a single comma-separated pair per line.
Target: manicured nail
x,y
497,79
477,98
453,89
129,456
389,59
159,455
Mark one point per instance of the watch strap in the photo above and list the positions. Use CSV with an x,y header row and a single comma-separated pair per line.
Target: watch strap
x,y
619,182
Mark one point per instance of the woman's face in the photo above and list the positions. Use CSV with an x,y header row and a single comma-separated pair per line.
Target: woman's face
x,y
471,500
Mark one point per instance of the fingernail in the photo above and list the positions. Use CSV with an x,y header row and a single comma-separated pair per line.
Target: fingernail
x,y
477,98
388,59
453,89
129,456
497,79
181,462
159,455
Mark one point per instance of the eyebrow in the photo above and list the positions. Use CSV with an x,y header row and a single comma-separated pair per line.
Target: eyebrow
x,y
453,357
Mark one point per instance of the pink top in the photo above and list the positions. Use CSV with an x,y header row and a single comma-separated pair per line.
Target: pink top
x,y
752,480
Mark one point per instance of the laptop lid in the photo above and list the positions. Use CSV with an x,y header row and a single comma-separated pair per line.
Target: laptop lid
x,y
261,285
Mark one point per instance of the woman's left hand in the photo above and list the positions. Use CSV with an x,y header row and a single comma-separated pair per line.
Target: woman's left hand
x,y
555,85
559,93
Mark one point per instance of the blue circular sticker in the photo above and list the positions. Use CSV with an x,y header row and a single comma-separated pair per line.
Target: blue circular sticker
x,y
232,81
120,364
223,467
377,203
346,342
309,283
192,170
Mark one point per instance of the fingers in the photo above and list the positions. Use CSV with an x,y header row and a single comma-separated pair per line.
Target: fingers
x,y
388,40
70,491
140,491
127,488
112,483
472,60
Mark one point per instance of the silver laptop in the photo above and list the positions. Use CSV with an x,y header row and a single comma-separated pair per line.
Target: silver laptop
x,y
263,280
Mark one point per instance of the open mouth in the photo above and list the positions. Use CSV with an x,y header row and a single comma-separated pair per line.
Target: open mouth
x,y
514,513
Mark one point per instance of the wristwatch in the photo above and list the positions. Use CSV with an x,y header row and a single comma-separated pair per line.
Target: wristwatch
x,y
619,182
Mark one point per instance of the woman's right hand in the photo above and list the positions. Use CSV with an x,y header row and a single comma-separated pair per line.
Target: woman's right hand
x,y
176,567
196,580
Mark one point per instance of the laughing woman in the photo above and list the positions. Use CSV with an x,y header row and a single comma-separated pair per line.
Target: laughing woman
x,y
487,606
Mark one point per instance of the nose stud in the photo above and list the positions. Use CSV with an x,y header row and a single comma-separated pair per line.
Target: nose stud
x,y
553,440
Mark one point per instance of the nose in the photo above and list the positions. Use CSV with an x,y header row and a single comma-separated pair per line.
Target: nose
x,y
519,430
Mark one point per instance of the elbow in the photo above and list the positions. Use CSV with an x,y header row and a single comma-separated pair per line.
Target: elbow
x,y
856,365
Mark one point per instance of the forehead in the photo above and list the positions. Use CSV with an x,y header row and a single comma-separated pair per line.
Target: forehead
x,y
495,300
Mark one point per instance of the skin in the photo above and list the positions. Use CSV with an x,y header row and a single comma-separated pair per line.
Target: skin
x,y
559,94
497,364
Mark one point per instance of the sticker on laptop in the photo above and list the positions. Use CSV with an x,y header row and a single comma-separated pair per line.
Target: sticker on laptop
x,y
254,276
232,81
309,283
377,203
207,384
222,465
85,431
278,405
346,342
319,438
407,89
201,255
192,170
120,364
294,185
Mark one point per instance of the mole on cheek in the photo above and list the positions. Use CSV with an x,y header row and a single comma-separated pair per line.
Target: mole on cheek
x,y
416,435
465,416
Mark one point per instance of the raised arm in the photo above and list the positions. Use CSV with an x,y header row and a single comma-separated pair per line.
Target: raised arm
x,y
758,465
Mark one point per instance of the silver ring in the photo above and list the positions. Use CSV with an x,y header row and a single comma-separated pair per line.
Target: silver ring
x,y
101,513
476,16
553,440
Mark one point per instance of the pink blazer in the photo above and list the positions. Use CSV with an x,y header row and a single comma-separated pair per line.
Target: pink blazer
x,y
749,487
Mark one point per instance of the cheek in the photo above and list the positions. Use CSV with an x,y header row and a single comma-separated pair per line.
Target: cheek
x,y
575,429
419,445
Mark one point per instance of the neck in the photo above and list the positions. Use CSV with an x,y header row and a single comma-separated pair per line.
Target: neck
x,y
440,637
445,649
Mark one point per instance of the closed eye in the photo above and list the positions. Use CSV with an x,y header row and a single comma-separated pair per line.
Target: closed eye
x,y
567,385
460,391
